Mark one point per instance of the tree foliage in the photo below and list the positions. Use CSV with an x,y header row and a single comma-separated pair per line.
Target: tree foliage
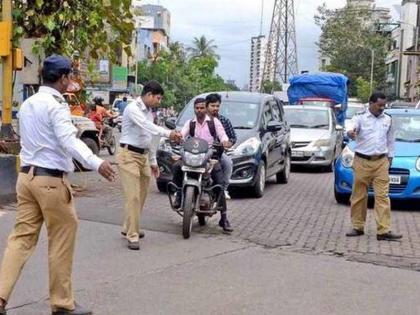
x,y
203,48
271,86
348,38
362,89
182,77
99,27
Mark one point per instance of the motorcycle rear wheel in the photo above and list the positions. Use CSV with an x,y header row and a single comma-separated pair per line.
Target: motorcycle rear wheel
x,y
189,202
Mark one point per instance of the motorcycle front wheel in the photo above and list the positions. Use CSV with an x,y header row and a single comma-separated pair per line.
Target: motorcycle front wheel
x,y
189,202
112,145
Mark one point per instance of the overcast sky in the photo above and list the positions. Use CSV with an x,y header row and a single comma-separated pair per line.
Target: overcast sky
x,y
232,23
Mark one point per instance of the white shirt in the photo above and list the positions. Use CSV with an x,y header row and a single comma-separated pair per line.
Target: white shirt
x,y
375,135
47,135
139,130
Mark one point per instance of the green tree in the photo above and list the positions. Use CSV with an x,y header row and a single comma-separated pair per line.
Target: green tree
x,y
182,77
363,89
271,86
203,48
348,38
99,27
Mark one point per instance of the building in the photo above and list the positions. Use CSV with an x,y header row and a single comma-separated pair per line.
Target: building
x,y
258,50
403,59
153,31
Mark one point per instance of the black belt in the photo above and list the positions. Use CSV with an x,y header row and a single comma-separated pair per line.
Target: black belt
x,y
41,171
134,149
370,157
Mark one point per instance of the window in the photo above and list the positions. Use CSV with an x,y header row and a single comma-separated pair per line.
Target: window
x,y
267,116
277,114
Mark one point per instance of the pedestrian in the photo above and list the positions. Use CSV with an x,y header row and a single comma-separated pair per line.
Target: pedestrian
x,y
48,141
373,132
137,157
213,102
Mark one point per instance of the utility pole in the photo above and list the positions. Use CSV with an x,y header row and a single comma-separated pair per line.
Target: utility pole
x,y
6,131
281,57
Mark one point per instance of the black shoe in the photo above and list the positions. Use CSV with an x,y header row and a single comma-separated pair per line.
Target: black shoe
x,y
388,237
225,225
78,310
355,232
134,245
3,310
141,234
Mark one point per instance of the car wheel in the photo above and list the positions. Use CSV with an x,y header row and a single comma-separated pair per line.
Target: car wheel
x,y
341,198
162,187
258,189
282,177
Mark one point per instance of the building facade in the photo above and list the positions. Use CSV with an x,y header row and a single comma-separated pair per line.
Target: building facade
x,y
258,51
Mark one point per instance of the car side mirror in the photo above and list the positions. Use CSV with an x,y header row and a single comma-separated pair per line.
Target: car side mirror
x,y
170,123
274,126
339,128
337,107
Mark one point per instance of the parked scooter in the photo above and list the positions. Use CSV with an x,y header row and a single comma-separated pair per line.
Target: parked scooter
x,y
199,196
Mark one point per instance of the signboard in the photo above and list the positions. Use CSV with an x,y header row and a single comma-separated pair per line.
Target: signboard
x,y
119,77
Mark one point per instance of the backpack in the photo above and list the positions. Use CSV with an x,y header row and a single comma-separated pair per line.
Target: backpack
x,y
210,123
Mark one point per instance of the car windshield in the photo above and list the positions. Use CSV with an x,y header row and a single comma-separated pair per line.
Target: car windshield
x,y
407,128
307,118
242,115
352,110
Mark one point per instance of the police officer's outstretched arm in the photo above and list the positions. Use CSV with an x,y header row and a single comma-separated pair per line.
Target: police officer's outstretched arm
x,y
77,149
391,142
354,127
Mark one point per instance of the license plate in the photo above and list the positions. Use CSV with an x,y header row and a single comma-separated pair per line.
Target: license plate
x,y
297,153
394,179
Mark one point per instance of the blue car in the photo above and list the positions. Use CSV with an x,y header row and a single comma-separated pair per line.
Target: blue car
x,y
404,173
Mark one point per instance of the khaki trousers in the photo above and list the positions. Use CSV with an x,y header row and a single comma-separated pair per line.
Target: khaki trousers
x,y
135,174
42,199
375,173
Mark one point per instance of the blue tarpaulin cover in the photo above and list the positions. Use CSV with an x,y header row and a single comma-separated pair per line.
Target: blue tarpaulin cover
x,y
320,84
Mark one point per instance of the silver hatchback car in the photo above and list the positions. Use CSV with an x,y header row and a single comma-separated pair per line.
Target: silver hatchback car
x,y
316,138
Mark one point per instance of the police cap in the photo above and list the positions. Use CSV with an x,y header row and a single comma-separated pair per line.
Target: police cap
x,y
57,64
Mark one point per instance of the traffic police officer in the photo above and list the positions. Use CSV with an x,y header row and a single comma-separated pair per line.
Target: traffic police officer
x,y
137,157
48,140
374,151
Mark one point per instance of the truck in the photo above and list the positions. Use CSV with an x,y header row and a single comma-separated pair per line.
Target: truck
x,y
320,89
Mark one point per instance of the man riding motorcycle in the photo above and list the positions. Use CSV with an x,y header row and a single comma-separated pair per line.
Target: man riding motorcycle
x,y
210,130
98,115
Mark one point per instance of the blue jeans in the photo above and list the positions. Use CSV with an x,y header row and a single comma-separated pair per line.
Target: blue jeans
x,y
227,167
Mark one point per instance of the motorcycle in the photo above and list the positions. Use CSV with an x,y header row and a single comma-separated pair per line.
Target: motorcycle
x,y
199,196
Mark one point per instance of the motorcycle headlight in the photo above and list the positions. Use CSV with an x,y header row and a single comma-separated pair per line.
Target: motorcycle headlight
x,y
418,164
165,145
194,160
249,147
347,157
322,143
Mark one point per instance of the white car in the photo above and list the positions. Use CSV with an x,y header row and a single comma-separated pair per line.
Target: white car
x,y
316,138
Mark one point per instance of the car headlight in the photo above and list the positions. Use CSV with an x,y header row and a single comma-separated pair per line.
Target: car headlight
x,y
347,157
194,160
322,143
418,164
165,145
249,147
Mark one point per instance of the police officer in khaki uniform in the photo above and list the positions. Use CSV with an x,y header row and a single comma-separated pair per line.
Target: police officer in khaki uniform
x,y
374,135
48,140
137,157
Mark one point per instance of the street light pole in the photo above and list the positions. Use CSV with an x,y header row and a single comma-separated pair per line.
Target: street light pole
x,y
371,69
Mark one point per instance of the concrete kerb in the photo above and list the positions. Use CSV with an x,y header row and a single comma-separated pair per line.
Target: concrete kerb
x,y
9,165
